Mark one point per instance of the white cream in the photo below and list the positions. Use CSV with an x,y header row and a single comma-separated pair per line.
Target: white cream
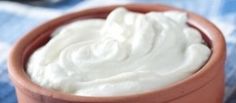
x,y
125,54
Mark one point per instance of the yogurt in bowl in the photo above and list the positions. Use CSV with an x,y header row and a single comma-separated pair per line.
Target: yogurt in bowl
x,y
126,53
204,83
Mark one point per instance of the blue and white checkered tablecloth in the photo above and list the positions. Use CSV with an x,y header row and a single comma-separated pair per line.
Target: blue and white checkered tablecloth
x,y
16,19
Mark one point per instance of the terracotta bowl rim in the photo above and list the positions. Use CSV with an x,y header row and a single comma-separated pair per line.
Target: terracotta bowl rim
x,y
218,48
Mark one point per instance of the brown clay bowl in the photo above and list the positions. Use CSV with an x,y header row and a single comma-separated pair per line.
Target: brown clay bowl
x,y
204,86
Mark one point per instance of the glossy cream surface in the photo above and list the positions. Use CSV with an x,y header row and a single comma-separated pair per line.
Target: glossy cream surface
x,y
126,53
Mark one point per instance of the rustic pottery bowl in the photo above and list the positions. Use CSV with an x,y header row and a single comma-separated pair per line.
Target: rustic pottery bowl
x,y
204,86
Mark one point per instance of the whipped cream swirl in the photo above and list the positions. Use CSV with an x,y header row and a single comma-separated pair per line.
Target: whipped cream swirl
x,y
126,53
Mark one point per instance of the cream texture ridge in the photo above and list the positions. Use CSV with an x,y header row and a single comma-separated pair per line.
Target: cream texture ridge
x,y
126,53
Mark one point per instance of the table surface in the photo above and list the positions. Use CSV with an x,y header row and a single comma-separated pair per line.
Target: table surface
x,y
16,19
